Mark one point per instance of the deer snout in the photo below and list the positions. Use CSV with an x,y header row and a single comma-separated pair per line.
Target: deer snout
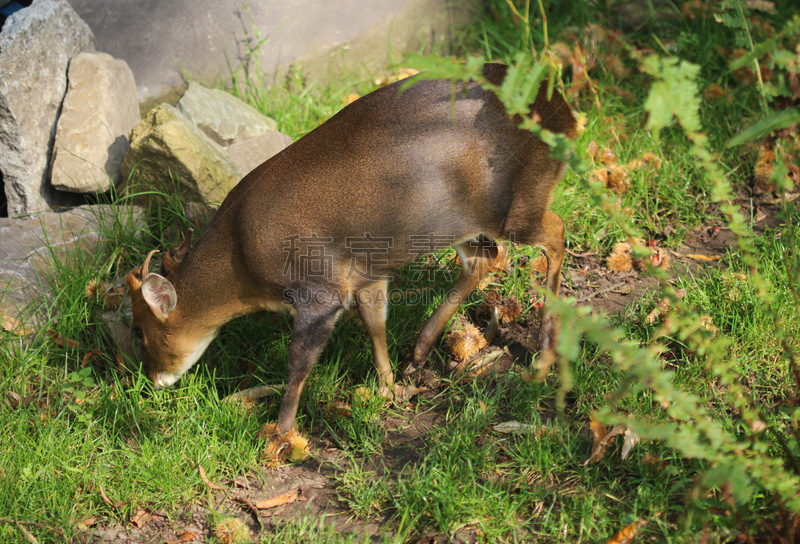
x,y
162,379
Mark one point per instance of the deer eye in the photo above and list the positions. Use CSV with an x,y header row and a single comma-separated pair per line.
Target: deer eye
x,y
137,332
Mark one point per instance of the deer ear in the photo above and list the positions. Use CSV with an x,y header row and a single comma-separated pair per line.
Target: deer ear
x,y
174,256
160,295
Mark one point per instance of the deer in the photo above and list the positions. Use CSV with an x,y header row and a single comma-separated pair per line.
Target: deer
x,y
321,226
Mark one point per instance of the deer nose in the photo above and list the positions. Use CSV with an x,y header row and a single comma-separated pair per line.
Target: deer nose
x,y
155,377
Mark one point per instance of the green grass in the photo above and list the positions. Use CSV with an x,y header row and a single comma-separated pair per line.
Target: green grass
x,y
76,434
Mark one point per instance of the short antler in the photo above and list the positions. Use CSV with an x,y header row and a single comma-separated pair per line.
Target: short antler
x,y
174,256
145,270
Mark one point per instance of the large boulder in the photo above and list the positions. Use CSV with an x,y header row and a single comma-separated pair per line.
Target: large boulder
x,y
170,155
249,154
36,45
223,117
99,111
30,247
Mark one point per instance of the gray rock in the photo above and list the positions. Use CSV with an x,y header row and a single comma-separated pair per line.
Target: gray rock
x,y
249,154
170,155
221,116
163,41
99,111
36,45
29,247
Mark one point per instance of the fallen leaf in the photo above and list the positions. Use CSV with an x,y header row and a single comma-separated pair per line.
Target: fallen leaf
x,y
482,364
607,156
207,481
591,149
713,91
663,306
187,536
13,399
601,440
352,97
15,326
514,427
647,161
631,439
28,536
141,518
338,408
89,356
762,5
86,523
627,535
61,341
286,498
108,501
697,256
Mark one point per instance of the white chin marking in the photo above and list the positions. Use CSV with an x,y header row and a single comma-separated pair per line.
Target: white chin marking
x,y
165,379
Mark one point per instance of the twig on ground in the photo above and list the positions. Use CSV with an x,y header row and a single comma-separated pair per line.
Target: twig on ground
x,y
254,393
252,508
601,291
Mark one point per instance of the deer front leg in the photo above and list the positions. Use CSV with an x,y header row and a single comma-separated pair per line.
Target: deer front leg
x,y
477,258
550,237
312,327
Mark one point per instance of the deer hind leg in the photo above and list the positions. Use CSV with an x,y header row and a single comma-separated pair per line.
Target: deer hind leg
x,y
478,257
550,237
372,306
313,325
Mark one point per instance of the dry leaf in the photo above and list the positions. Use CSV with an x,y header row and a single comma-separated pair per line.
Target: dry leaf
x,y
662,307
648,161
141,518
61,341
698,257
88,356
480,365
762,5
707,324
207,481
627,535
631,439
27,534
86,523
232,531
539,265
608,157
509,310
591,149
338,408
109,501
601,440
352,97
616,178
514,427
280,500
15,326
13,399
187,536
758,426
714,91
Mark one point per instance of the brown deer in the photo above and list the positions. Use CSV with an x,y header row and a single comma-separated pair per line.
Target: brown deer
x,y
321,226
